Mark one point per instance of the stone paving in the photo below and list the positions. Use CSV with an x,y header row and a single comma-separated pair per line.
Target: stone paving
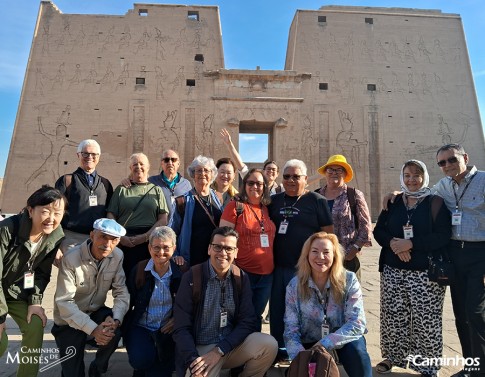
x,y
119,366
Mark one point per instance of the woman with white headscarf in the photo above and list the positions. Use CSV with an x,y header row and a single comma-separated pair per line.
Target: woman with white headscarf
x,y
416,225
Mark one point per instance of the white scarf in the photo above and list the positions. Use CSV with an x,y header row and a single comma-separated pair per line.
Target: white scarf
x,y
424,190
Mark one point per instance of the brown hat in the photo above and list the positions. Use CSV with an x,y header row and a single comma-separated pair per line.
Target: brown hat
x,y
338,159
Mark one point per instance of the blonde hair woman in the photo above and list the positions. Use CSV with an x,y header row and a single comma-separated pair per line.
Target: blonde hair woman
x,y
324,306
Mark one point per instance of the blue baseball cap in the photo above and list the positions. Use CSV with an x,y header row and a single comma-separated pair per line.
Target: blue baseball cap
x,y
109,226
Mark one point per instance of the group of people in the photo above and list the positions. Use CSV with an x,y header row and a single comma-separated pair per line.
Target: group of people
x,y
192,267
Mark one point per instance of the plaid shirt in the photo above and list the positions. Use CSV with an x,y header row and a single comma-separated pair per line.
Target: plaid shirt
x,y
214,302
471,205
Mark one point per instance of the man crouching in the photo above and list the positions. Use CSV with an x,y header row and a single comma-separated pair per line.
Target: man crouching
x,y
88,271
215,324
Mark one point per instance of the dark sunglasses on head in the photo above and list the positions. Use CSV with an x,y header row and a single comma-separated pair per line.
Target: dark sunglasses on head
x,y
168,159
451,160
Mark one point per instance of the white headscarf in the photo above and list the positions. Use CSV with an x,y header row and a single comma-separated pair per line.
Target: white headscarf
x,y
424,190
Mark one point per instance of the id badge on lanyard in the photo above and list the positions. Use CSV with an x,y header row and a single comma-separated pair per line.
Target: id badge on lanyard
x,y
223,321
264,240
325,328
283,227
408,232
456,218
29,280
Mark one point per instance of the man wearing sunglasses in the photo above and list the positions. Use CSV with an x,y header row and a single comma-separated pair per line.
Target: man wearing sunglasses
x,y
215,324
170,180
87,193
297,214
463,190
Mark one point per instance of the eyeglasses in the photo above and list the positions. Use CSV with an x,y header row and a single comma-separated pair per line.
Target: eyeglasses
x,y
168,159
219,248
86,154
294,177
202,171
451,160
337,170
255,183
157,249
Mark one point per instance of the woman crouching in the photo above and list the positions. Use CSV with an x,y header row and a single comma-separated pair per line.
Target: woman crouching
x,y
324,306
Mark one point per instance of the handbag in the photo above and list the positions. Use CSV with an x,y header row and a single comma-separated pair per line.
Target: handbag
x,y
441,270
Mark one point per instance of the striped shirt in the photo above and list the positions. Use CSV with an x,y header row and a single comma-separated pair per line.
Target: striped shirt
x,y
159,309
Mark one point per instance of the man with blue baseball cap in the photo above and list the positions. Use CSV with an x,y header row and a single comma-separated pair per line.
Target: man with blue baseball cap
x,y
88,271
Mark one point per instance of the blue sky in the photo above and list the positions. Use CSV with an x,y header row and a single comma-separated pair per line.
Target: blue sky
x,y
254,32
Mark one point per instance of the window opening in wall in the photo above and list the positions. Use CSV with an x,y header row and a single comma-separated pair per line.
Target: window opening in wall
x,y
140,81
254,148
199,58
190,82
371,87
323,86
143,12
322,18
193,15
369,20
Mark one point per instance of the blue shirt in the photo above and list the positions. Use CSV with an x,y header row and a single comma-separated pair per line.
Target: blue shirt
x,y
219,296
471,205
159,309
90,177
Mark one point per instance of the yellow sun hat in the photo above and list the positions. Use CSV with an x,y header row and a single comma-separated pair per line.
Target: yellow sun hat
x,y
338,159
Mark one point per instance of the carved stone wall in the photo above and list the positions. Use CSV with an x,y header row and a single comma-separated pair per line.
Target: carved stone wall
x,y
379,85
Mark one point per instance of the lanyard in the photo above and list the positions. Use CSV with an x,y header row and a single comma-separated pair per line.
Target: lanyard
x,y
260,221
223,294
211,215
324,303
410,211
457,200
292,206
31,260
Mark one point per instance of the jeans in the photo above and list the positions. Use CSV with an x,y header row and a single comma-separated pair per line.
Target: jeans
x,y
143,354
355,359
261,287
281,278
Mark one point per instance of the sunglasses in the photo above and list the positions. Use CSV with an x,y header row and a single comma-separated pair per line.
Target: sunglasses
x,y
337,170
451,160
255,183
294,177
168,159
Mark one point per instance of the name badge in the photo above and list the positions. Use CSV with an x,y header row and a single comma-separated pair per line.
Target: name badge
x,y
456,218
93,200
408,232
325,329
223,322
28,280
283,227
264,240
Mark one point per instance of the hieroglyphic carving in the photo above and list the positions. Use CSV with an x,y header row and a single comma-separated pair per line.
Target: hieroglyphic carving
x,y
309,142
169,130
351,147
49,170
160,39
138,128
423,50
76,79
58,79
205,144
142,43
178,80
125,38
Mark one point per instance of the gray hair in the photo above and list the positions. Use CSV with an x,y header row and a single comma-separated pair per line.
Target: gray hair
x,y
165,152
164,233
202,161
88,142
137,156
297,164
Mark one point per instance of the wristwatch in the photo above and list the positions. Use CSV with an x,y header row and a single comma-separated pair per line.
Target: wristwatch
x,y
357,247
220,352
